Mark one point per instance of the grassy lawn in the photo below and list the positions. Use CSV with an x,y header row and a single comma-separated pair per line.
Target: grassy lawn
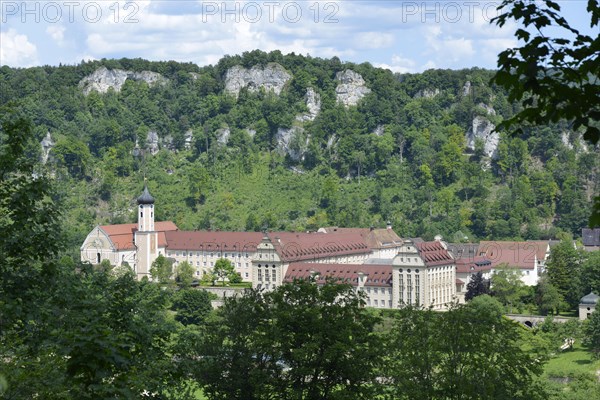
x,y
569,362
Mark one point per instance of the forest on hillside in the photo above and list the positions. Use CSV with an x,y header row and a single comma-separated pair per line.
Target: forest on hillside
x,y
400,155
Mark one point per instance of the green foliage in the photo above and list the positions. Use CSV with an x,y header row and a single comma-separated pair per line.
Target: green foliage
x,y
447,355
592,332
161,269
477,286
192,306
327,351
553,74
508,287
184,274
224,269
564,271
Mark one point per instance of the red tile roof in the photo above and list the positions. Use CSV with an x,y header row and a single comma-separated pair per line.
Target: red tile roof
x,y
121,235
472,264
516,254
433,253
378,238
291,246
213,240
377,275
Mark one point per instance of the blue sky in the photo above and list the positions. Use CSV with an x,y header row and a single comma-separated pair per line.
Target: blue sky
x,y
404,36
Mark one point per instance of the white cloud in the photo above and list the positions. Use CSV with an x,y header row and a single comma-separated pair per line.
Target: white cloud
x,y
57,33
399,64
373,40
16,50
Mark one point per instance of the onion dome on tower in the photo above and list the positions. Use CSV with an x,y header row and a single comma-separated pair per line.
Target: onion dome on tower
x,y
146,197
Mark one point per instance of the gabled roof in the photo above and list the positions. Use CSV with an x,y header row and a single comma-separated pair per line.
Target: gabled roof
x,y
292,246
433,253
377,275
521,255
463,250
475,264
591,237
213,240
121,235
376,238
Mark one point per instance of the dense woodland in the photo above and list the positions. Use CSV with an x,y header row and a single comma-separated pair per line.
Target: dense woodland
x,y
417,173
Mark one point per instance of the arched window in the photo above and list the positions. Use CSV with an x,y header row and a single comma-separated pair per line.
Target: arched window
x,y
98,258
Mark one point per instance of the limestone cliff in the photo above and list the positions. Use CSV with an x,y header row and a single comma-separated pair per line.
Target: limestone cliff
x,y
481,128
313,103
104,79
272,77
351,89
47,144
293,142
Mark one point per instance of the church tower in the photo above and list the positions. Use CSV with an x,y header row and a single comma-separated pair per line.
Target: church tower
x,y
146,238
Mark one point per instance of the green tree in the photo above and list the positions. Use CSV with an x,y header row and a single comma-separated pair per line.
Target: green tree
x,y
590,272
507,286
592,333
564,271
184,274
477,286
469,352
223,269
301,341
161,269
547,297
553,74
192,306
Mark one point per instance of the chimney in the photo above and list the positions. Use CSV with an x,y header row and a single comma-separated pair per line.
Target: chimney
x,y
389,225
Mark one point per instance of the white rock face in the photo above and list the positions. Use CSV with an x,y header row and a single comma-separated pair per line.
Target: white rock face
x,y
466,90
188,139
152,142
292,142
351,88
47,144
427,93
223,136
379,131
103,79
313,103
272,77
483,129
489,109
251,132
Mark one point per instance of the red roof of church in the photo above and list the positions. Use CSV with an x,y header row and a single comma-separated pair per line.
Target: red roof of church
x,y
377,275
121,235
377,238
213,240
516,254
433,253
292,246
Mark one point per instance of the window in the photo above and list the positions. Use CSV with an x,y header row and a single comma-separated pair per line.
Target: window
x,y
376,303
246,274
212,264
260,274
274,274
204,264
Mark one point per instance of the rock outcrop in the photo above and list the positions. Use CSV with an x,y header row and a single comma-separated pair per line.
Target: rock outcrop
x,y
379,130
188,139
427,93
466,89
272,77
482,129
47,144
104,79
351,88
152,142
313,103
223,136
292,141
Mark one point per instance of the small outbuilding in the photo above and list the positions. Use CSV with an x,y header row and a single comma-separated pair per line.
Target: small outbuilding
x,y
587,305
